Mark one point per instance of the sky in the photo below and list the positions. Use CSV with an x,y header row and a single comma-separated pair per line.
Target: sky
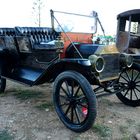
x,y
20,12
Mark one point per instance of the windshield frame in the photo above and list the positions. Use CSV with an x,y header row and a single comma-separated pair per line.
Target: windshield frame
x,y
54,20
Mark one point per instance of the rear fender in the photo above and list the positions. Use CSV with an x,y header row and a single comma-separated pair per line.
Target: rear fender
x,y
8,60
3,60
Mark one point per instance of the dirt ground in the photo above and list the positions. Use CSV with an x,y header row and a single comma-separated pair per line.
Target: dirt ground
x,y
27,114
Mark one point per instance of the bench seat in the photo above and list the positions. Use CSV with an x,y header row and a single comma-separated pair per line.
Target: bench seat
x,y
38,35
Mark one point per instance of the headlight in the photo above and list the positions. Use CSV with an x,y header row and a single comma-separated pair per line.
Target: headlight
x,y
126,60
97,62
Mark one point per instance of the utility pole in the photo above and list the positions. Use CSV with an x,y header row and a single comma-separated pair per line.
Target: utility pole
x,y
37,8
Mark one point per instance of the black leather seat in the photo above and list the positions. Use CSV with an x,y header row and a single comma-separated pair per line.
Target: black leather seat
x,y
38,34
7,31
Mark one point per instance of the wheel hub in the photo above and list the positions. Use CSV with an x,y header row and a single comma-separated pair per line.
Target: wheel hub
x,y
132,85
72,100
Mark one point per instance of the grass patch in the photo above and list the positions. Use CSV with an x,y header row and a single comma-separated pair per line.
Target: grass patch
x,y
27,94
2,94
102,130
125,138
46,105
4,135
130,122
123,129
125,132
138,127
106,102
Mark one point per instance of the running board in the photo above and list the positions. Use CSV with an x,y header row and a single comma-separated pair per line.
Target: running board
x,y
27,76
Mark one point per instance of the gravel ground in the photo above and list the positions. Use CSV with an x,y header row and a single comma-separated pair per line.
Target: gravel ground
x,y
27,113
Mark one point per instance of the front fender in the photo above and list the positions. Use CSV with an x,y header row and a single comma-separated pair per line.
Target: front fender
x,y
82,66
83,62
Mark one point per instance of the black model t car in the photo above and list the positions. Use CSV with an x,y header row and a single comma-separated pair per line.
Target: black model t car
x,y
128,41
128,33
65,55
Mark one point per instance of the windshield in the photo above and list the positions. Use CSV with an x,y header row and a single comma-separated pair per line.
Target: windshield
x,y
70,22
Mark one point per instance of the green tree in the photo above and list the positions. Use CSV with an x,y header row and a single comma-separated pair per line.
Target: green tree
x,y
134,27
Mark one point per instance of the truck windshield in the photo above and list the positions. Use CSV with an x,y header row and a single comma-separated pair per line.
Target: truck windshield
x,y
70,22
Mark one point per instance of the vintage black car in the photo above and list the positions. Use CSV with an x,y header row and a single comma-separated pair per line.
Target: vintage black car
x,y
128,33
66,56
128,41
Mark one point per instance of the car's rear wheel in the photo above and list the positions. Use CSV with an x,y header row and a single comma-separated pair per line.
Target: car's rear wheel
x,y
2,84
130,80
74,101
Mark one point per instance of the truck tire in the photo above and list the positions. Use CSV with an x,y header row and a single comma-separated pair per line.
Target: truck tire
x,y
74,101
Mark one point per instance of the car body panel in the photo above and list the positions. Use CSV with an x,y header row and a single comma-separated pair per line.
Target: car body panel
x,y
128,33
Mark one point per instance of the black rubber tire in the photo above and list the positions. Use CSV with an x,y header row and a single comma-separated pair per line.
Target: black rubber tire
x,y
131,79
2,84
73,99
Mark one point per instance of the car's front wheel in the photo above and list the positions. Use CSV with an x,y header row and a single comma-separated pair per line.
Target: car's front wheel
x,y
74,101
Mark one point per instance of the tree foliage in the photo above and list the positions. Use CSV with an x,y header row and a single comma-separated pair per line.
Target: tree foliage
x,y
134,27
